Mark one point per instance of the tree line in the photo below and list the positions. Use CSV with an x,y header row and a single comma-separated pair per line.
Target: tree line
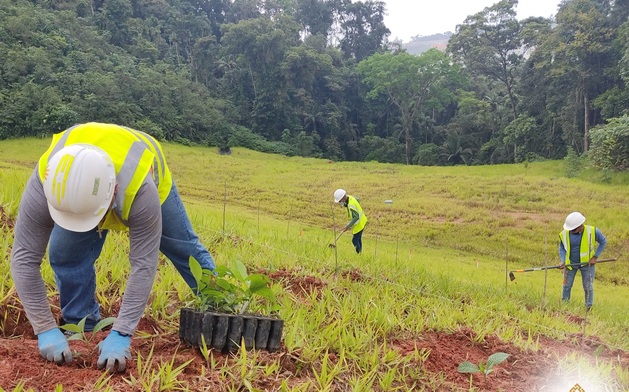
x,y
321,78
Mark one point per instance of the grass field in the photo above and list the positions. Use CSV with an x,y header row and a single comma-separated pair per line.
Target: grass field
x,y
429,291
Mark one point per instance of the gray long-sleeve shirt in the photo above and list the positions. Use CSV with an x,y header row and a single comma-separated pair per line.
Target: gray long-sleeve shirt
x,y
32,233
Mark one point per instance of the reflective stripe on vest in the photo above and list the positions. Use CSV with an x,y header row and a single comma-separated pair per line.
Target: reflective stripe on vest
x,y
352,204
134,154
150,142
587,249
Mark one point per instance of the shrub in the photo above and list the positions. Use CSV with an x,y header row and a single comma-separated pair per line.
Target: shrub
x,y
609,147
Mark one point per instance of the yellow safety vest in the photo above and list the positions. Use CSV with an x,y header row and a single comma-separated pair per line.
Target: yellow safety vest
x,y
352,204
587,250
134,154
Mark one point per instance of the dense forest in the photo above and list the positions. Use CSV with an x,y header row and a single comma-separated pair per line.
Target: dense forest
x,y
321,78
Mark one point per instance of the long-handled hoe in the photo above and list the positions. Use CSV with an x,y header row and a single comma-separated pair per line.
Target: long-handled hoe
x,y
512,275
336,239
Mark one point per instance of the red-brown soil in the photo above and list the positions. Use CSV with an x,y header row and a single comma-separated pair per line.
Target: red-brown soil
x,y
522,371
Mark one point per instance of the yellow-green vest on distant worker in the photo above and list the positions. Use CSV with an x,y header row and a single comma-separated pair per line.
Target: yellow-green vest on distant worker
x,y
587,250
134,154
352,204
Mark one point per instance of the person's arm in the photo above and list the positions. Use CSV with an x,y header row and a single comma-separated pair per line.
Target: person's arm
x,y
562,253
352,222
145,230
602,242
32,233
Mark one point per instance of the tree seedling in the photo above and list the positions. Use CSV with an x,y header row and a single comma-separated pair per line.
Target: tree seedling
x,y
79,333
229,289
485,368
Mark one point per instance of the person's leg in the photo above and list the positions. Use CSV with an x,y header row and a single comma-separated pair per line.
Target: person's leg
x,y
72,256
357,240
587,278
179,241
569,280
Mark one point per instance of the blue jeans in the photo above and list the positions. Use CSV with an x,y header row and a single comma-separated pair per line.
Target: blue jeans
x,y
357,240
72,256
587,279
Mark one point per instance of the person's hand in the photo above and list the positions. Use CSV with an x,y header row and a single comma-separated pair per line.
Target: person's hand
x,y
115,348
562,265
54,346
593,260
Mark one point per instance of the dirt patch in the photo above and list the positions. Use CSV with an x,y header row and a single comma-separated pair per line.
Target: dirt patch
x,y
522,219
522,371
434,368
300,286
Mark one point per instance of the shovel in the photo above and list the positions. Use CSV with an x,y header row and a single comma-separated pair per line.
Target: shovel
x,y
512,276
336,239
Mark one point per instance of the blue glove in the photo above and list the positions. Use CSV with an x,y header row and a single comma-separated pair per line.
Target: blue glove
x,y
115,348
54,346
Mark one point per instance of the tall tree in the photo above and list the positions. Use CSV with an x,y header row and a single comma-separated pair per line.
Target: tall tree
x,y
581,51
260,46
316,16
362,28
488,43
412,84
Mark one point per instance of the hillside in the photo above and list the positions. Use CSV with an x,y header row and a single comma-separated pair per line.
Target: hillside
x,y
429,292
419,44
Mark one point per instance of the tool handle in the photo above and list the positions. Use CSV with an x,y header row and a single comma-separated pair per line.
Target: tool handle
x,y
587,262
559,266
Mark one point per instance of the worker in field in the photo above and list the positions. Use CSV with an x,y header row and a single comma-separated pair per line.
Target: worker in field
x,y
93,178
577,245
357,217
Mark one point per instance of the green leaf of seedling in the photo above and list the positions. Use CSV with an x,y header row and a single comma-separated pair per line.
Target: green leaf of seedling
x,y
81,324
72,328
77,336
267,294
468,367
222,270
257,281
495,359
196,269
225,285
104,323
239,271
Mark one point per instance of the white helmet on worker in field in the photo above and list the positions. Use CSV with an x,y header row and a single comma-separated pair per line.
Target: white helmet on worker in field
x,y
574,220
339,194
79,184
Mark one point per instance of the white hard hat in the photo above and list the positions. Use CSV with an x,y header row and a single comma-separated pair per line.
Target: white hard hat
x,y
574,220
79,185
338,195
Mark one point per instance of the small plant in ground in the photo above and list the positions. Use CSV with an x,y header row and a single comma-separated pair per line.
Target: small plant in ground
x,y
485,368
79,333
230,289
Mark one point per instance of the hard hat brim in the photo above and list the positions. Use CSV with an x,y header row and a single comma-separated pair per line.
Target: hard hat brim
x,y
570,227
79,223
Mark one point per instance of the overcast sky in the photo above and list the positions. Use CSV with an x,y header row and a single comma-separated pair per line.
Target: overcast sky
x,y
408,18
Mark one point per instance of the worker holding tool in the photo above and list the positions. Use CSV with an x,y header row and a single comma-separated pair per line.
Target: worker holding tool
x,y
358,219
93,178
577,246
